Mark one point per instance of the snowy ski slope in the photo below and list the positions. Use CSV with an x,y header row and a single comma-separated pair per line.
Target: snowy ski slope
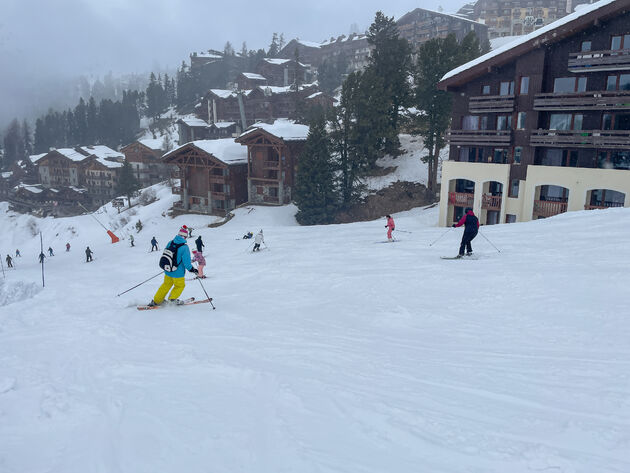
x,y
328,352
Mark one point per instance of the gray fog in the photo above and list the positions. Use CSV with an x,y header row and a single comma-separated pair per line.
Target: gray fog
x,y
45,44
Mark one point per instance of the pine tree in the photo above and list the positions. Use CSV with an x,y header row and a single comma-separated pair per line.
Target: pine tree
x,y
390,59
27,139
80,117
315,194
274,47
435,58
127,183
91,122
13,144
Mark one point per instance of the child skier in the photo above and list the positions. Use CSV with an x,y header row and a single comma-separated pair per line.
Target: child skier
x,y
17,254
88,255
390,227
9,261
471,228
248,235
175,279
67,247
201,262
154,245
258,240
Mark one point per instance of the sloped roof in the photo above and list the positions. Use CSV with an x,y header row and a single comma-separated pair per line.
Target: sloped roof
x,y
282,128
551,33
36,157
102,151
71,153
408,17
152,143
225,150
191,120
254,76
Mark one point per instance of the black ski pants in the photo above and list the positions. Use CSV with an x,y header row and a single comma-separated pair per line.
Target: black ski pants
x,y
256,247
465,245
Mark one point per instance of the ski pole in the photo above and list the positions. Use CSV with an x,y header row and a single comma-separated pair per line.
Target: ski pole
x,y
490,242
440,237
207,296
402,231
117,295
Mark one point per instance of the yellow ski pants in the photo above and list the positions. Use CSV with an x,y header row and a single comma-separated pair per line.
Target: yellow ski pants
x,y
177,284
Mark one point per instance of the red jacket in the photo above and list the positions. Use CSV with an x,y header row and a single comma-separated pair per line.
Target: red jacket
x,y
390,223
470,222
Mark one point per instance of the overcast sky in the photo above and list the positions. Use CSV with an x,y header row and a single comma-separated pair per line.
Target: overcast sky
x,y
52,39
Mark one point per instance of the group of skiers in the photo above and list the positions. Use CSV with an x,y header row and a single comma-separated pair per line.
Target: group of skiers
x,y
42,256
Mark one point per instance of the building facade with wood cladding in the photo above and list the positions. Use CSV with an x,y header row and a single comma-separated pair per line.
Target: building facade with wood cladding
x,y
272,158
541,126
145,157
212,175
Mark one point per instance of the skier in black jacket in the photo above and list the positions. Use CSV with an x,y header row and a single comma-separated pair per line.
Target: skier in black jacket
x,y
471,227
199,244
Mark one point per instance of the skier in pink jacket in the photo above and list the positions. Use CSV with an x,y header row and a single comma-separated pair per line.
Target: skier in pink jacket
x,y
201,262
390,227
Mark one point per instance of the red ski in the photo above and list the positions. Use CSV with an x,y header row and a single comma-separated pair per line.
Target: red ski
x,y
189,301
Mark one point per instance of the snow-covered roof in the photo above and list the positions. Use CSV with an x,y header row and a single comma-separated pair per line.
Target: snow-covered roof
x,y
71,153
312,96
80,190
225,149
191,120
109,164
283,128
7,175
529,37
277,61
102,151
152,143
452,15
223,93
254,76
356,37
309,44
208,56
35,157
223,124
32,189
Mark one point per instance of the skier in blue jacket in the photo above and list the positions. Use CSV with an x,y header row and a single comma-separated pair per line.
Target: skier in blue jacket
x,y
175,279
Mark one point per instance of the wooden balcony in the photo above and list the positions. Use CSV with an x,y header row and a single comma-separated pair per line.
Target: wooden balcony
x,y
461,199
611,139
176,190
603,205
491,104
499,138
548,208
271,164
491,202
218,195
600,100
594,61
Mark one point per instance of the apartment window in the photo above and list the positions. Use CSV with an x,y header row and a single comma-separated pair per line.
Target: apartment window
x,y
518,150
499,156
470,122
470,155
504,122
273,192
514,185
217,172
618,82
559,157
569,85
506,88
613,160
524,89
520,120
616,121
485,90
620,42
586,46
510,218
484,123
565,121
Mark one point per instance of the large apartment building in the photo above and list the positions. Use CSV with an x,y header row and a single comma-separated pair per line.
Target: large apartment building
x,y
542,126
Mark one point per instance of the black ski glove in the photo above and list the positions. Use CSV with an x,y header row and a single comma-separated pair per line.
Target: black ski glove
x,y
194,271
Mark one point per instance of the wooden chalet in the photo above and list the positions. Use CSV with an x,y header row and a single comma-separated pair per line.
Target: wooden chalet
x,y
282,72
62,167
191,128
249,80
101,177
212,173
145,157
220,130
272,159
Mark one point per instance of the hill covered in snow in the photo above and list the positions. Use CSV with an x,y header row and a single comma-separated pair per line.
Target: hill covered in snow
x,y
329,351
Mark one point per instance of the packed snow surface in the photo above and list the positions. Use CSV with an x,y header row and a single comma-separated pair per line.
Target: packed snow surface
x,y
329,351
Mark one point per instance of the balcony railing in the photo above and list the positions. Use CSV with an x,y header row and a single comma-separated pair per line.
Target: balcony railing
x,y
491,104
461,199
612,139
603,205
491,202
271,164
548,208
218,195
480,137
594,61
600,100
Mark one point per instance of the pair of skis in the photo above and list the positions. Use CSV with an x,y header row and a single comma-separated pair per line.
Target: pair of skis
x,y
189,301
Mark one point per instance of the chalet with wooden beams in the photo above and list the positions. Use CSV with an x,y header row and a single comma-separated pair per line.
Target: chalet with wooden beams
x,y
145,157
281,72
541,126
249,80
191,128
62,167
272,159
212,174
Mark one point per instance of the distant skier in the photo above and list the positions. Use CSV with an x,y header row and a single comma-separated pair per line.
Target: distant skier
x,y
9,261
248,235
50,251
201,263
199,244
42,257
190,229
175,279
17,254
154,245
67,247
88,255
258,240
131,240
390,227
471,223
